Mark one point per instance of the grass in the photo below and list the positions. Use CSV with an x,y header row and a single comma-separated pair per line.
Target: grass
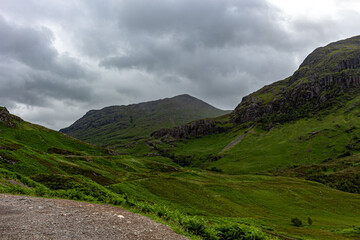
x,y
200,204
266,202
305,141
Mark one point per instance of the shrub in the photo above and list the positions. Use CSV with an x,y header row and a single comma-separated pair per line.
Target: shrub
x,y
296,222
215,169
195,226
198,227
309,221
41,191
240,232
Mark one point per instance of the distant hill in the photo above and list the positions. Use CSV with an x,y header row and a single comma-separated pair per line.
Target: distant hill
x,y
117,124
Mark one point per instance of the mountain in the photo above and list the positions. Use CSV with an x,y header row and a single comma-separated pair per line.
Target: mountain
x,y
329,76
199,204
306,126
117,124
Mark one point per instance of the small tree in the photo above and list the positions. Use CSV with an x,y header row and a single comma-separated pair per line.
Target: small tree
x,y
309,221
296,222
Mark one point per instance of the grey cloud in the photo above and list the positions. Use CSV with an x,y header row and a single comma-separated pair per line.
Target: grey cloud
x,y
33,48
23,85
26,45
32,72
214,23
202,42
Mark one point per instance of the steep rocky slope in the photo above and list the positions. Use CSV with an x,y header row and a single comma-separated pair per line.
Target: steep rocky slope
x,y
116,124
328,77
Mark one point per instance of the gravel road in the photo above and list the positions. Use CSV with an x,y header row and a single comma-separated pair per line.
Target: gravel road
x,y
24,217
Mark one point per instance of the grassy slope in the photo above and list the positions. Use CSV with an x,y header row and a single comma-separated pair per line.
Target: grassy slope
x,y
267,202
153,184
306,141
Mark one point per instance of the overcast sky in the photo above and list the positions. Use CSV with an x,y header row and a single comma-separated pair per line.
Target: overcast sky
x,y
59,59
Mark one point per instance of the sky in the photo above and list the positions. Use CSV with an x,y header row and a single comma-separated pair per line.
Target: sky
x,y
60,59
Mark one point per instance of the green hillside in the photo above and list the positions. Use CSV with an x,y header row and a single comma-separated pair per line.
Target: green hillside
x,y
119,124
303,126
289,152
199,204
327,143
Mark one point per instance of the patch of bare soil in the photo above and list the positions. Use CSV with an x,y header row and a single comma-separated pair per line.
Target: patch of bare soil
x,y
24,217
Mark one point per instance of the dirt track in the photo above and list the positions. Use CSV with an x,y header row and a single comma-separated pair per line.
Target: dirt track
x,y
39,218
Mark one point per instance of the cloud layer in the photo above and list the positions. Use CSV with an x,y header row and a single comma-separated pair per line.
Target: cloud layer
x,y
61,59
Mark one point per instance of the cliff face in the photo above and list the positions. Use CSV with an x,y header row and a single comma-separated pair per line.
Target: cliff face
x,y
327,73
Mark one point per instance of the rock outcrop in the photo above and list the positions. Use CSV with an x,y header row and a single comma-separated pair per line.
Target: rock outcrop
x,y
8,118
193,129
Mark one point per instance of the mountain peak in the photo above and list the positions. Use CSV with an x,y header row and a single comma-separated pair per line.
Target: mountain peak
x,y
185,95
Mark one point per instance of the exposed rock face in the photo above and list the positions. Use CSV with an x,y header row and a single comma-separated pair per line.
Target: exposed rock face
x,y
7,118
325,74
4,115
193,129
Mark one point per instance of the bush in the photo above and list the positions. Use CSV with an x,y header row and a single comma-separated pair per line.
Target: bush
x,y
196,227
296,222
309,221
41,191
240,232
215,169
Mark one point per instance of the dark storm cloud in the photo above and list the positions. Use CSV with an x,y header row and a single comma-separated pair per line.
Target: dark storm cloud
x,y
213,45
33,72
26,45
212,23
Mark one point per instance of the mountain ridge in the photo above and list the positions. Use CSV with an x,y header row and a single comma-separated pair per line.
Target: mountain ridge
x,y
116,124
325,74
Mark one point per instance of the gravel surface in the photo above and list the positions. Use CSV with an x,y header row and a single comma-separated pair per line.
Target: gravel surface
x,y
24,217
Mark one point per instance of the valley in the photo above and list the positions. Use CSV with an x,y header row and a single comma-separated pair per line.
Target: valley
x,y
288,151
